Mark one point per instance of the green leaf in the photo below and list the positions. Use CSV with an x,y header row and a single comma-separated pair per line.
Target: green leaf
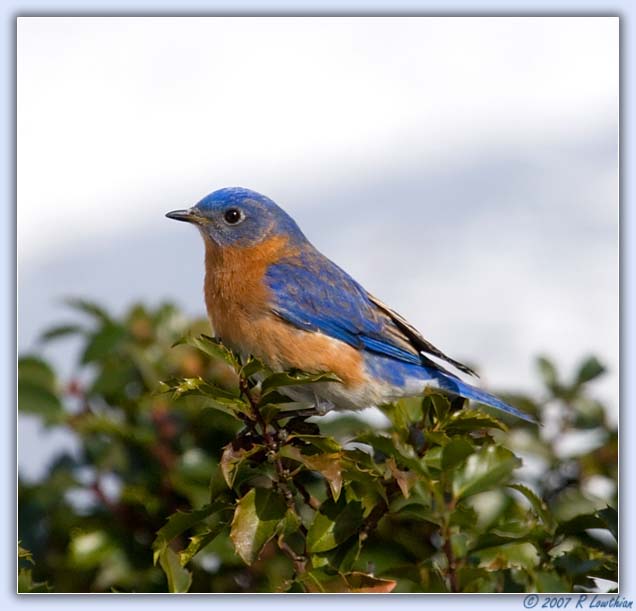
x,y
590,369
103,343
90,308
37,400
328,465
179,579
548,372
294,378
26,585
200,541
321,443
214,348
252,367
60,331
538,505
256,519
487,468
454,452
37,372
25,554
333,525
231,461
215,398
550,581
510,555
609,515
580,523
37,389
181,521
403,454
404,412
320,581
472,420
436,403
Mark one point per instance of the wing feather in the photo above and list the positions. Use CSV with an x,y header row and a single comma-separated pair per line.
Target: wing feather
x,y
311,292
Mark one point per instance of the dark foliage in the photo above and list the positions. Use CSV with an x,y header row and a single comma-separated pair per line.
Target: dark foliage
x,y
191,476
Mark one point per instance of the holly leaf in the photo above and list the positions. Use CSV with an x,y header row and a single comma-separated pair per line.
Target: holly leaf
x,y
483,470
255,522
333,525
179,579
294,378
328,465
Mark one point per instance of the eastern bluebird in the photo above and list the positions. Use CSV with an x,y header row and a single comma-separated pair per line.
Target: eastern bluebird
x,y
270,293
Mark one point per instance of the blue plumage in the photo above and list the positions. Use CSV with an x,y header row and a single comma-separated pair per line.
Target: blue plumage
x,y
307,292
313,293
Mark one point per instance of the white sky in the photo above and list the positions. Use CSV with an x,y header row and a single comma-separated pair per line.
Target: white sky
x,y
113,111
463,169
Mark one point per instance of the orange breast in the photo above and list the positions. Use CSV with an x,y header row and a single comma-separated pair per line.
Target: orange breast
x,y
237,302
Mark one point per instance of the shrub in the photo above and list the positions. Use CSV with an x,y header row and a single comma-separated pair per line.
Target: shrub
x,y
189,475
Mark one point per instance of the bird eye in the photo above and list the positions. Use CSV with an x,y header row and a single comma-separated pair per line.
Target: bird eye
x,y
233,216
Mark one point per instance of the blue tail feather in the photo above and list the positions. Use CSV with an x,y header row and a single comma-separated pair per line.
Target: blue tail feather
x,y
457,387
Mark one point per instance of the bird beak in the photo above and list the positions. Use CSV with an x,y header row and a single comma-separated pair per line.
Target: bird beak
x,y
189,216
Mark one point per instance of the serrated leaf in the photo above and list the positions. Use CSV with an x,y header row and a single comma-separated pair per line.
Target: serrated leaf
x,y
538,505
256,519
483,470
472,420
179,579
328,465
213,348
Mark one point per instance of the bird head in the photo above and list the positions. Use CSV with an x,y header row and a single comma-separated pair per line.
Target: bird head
x,y
238,217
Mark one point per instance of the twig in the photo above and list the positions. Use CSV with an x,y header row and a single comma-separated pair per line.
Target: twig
x,y
271,444
373,519
451,571
452,563
312,501
300,562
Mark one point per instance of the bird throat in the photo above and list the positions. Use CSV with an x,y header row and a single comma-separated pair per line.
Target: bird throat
x,y
235,291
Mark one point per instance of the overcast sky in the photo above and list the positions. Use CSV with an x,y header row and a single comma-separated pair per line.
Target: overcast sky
x,y
465,170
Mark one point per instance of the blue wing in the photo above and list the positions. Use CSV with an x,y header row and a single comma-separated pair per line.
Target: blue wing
x,y
313,293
